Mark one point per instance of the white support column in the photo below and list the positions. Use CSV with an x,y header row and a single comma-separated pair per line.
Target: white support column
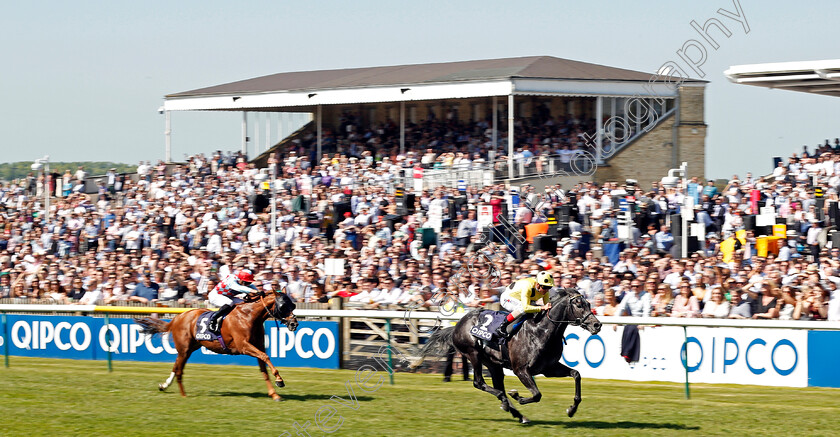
x,y
167,133
287,130
267,131
272,168
599,133
319,120
683,214
279,127
244,133
402,128
47,190
256,135
510,136
495,128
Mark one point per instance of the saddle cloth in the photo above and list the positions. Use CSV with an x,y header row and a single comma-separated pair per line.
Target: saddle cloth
x,y
488,322
202,328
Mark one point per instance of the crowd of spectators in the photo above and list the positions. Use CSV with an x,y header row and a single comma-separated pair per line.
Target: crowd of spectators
x,y
168,235
450,142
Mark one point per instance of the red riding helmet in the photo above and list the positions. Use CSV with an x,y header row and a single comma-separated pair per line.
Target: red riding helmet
x,y
245,276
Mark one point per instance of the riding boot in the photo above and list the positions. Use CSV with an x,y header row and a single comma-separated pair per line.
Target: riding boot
x,y
503,331
214,324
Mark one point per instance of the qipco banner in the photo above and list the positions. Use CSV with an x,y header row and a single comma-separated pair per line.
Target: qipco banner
x,y
774,357
313,344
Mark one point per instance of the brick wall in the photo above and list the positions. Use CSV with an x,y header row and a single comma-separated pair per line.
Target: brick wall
x,y
691,132
646,160
651,156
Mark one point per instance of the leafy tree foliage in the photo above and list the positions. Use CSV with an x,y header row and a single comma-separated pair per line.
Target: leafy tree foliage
x,y
15,170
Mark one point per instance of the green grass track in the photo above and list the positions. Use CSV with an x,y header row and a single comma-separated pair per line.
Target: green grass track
x,y
68,398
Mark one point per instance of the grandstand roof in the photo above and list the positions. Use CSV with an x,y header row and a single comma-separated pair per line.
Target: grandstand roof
x,y
817,77
491,77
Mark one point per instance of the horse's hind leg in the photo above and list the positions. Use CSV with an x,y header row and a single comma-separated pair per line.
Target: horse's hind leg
x,y
178,368
498,389
560,371
529,383
478,378
177,371
185,349
164,385
498,374
271,391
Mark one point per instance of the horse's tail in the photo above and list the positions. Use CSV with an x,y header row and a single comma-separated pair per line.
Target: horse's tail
x,y
439,344
153,326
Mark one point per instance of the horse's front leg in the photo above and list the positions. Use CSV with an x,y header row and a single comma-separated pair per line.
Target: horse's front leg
x,y
561,371
271,391
250,349
529,383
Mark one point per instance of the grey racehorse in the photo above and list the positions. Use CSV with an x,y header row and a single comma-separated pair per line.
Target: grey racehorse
x,y
534,350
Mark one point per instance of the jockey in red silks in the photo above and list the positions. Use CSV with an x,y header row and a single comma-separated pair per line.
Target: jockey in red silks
x,y
225,292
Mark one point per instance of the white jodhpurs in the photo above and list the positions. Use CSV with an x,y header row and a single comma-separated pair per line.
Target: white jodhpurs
x,y
219,300
511,304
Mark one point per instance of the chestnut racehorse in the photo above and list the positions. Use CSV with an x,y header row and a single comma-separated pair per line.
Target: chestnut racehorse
x,y
242,330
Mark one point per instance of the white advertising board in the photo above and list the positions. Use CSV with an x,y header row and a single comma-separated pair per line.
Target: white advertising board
x,y
771,357
485,216
436,216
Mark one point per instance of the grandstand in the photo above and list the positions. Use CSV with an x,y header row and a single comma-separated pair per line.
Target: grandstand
x,y
663,124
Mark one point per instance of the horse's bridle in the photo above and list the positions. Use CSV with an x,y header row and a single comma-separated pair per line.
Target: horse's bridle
x,y
290,321
578,321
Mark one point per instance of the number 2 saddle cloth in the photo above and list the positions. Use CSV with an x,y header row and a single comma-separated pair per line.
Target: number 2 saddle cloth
x,y
488,322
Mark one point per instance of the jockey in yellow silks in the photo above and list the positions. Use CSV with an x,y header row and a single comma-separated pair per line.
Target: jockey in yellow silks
x,y
519,298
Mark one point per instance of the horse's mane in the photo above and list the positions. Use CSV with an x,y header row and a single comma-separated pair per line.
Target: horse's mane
x,y
284,298
559,293
281,301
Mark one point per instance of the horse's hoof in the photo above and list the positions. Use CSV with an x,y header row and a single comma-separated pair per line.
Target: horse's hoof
x,y
277,399
280,384
161,387
524,420
571,411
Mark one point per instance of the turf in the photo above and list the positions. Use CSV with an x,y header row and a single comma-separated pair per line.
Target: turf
x,y
68,397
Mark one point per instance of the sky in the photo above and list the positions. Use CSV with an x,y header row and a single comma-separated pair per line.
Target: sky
x,y
82,81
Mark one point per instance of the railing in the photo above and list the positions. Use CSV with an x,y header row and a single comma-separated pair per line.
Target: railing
x,y
610,148
408,314
451,177
581,163
398,331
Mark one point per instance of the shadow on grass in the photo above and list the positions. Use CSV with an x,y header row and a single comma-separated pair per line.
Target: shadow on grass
x,y
288,397
597,424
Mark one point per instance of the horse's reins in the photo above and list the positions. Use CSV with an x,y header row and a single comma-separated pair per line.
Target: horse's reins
x,y
270,313
576,322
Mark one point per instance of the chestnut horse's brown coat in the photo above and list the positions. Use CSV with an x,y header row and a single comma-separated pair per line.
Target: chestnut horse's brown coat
x,y
242,331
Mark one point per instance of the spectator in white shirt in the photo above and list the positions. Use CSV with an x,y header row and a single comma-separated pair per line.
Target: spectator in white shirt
x,y
677,274
636,303
390,294
364,217
717,307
